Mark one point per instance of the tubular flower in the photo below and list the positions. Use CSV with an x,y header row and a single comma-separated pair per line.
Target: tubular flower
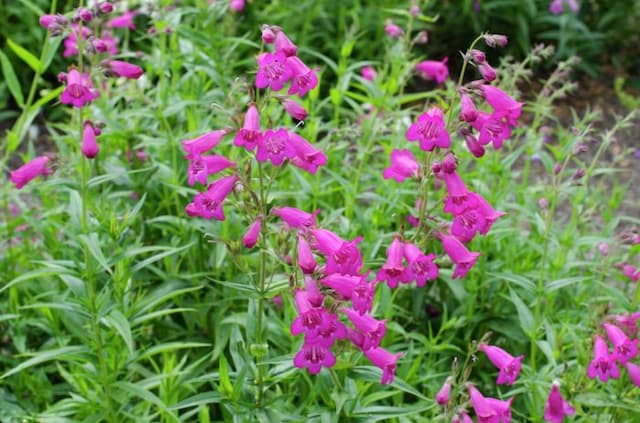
x,y
200,167
501,102
354,288
249,135
196,146
306,261
603,364
71,42
463,258
373,330
310,320
89,147
468,111
209,203
368,73
420,267
393,270
314,296
384,360
556,407
314,357
444,394
29,171
434,70
306,156
275,147
459,198
273,71
304,79
508,365
393,30
295,218
403,165
484,411
123,69
284,45
634,373
501,408
624,348
631,272
250,238
78,90
123,21
294,109
430,130
493,128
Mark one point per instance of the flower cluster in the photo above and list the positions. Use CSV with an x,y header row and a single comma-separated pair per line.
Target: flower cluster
x,y
557,6
622,332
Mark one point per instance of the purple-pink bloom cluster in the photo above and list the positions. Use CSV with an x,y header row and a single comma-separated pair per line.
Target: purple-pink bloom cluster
x,y
622,333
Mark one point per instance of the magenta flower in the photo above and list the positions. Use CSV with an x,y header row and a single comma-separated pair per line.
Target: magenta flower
x,y
295,218
106,44
342,256
89,146
310,319
329,333
556,7
29,171
501,102
403,165
631,272
463,258
634,373
294,109
236,5
444,394
196,146
556,407
433,70
372,330
468,111
508,365
393,270
501,408
393,31
306,156
200,167
354,288
249,135
268,36
603,364
384,360
314,357
304,79
493,128
273,71
71,42
209,203
306,260
78,90
420,267
627,322
488,73
463,417
459,198
368,73
123,69
275,147
250,238
624,348
314,296
284,45
55,24
467,224
484,411
123,21
430,130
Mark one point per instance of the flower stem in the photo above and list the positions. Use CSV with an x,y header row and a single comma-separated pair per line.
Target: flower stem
x,y
262,275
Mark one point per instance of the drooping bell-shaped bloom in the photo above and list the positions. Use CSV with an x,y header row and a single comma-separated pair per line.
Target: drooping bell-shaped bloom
x,y
249,135
55,24
403,165
502,408
459,198
474,145
631,272
444,394
490,214
393,30
310,319
459,254
296,218
107,43
294,109
71,42
467,223
354,288
306,156
634,373
284,45
314,357
484,411
304,79
314,296
210,202
494,128
123,69
273,71
250,238
384,360
29,171
275,147
462,417
342,256
196,146
368,73
200,167
508,365
603,364
306,260
123,21
393,270
373,330
78,90
420,267
627,322
89,146
329,333
468,111
430,130
501,102
488,73
624,348
434,70
557,407
496,40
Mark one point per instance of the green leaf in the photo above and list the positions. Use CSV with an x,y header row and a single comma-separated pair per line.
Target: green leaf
x,y
209,397
142,393
119,322
93,244
11,79
225,382
42,356
25,55
524,314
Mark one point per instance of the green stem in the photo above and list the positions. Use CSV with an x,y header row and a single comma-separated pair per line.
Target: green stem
x,y
262,276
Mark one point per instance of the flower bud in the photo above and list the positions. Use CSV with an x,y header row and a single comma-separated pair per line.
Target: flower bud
x,y
436,167
89,146
83,14
414,10
294,109
449,163
487,72
478,56
557,168
493,40
268,36
105,7
578,174
543,203
422,37
474,146
604,249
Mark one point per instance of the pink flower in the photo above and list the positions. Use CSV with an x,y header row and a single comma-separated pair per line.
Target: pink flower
x,y
484,411
478,217
393,270
556,7
459,198
106,44
501,408
196,146
624,348
306,156
354,288
273,71
403,165
393,31
627,322
556,407
493,128
373,330
342,256
123,69
430,130
493,40
89,147
508,365
487,72
314,357
294,109
444,394
78,90
420,267
123,21
501,102
631,272
463,258
433,70
55,24
29,171
249,135
310,320
268,36
236,5
304,79
209,203
71,42
284,45
634,373
275,147
306,260
368,73
250,238
603,364
295,218
463,417
384,360
314,296
468,111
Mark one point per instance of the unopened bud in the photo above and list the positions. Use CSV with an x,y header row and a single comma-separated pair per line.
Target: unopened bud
x,y
422,37
449,163
493,40
579,173
83,14
436,167
543,203
268,36
105,7
487,72
603,248
474,146
478,56
557,168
